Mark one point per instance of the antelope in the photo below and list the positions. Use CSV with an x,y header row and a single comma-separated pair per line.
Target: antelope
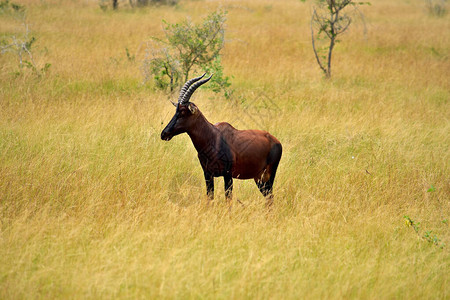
x,y
224,150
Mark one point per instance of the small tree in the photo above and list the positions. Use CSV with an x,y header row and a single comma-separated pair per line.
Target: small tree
x,y
187,47
20,44
437,7
330,19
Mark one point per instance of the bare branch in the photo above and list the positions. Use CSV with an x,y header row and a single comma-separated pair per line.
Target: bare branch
x,y
331,20
314,46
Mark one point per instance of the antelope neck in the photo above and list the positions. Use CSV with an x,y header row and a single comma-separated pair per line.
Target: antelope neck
x,y
202,133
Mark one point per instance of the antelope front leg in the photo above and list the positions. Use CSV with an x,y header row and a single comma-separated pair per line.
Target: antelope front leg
x,y
209,178
228,187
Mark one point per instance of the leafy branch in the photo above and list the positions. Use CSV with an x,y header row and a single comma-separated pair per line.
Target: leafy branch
x,y
427,235
21,45
185,48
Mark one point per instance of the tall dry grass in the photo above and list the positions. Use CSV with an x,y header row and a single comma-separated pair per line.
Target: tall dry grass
x,y
95,205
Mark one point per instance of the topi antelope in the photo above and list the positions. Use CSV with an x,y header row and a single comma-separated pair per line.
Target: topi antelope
x,y
224,150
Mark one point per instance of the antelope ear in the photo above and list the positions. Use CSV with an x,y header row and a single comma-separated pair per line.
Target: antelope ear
x,y
192,108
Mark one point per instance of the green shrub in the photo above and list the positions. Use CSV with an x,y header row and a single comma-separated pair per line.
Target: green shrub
x,y
437,7
187,48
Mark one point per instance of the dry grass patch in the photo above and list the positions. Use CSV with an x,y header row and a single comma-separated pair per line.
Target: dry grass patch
x,y
94,205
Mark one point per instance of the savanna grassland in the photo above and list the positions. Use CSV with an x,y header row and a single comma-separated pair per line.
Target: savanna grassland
x,y
94,205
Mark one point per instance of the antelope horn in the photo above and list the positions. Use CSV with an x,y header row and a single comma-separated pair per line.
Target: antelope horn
x,y
192,89
187,85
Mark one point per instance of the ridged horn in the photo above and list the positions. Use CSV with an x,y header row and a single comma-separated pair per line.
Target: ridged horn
x,y
187,85
192,89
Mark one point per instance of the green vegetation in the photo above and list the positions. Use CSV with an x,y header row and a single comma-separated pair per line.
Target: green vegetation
x,y
20,43
104,4
437,7
187,47
428,235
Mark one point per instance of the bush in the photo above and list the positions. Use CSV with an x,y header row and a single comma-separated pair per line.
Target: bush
x,y
437,7
135,3
152,2
20,45
187,48
8,7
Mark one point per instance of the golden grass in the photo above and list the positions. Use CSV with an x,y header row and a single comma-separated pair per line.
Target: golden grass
x,y
95,205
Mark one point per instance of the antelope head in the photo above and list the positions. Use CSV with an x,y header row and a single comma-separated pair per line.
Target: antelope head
x,y
186,112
